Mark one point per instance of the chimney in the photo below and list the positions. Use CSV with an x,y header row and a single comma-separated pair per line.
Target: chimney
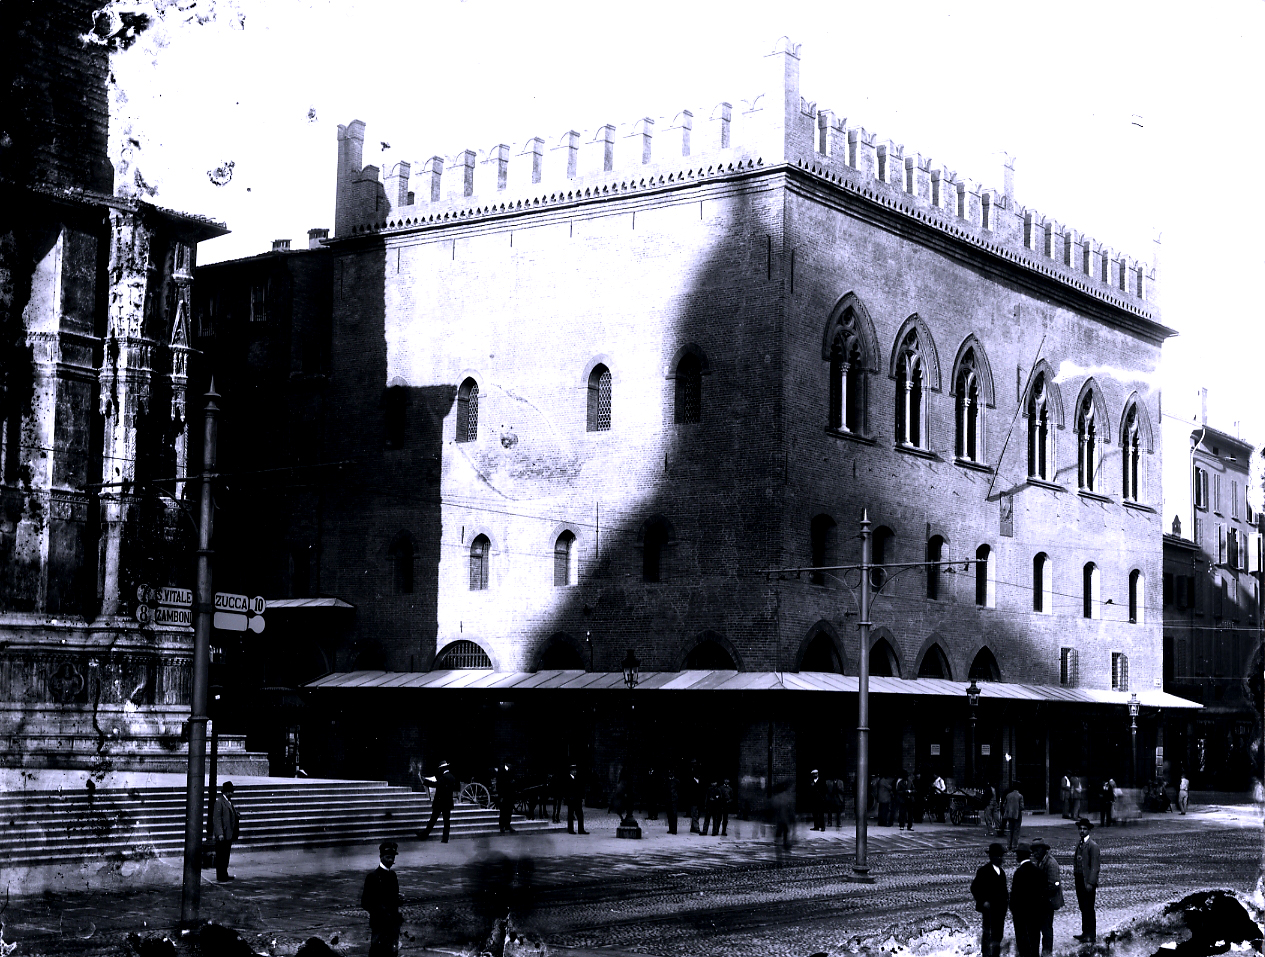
x,y
281,245
314,237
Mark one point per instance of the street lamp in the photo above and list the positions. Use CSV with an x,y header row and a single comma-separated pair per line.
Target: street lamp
x,y
972,699
1134,707
861,867
629,827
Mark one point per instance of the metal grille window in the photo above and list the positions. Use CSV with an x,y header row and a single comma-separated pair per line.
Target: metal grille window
x,y
689,390
479,560
563,555
599,411
468,411
1119,671
1068,667
462,654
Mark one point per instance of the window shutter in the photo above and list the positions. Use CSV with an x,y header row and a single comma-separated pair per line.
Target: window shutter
x,y
1221,544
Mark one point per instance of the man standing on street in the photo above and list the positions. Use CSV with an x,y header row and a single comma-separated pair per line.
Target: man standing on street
x,y
381,898
1049,868
989,891
575,799
225,829
1065,795
817,799
1012,814
445,787
672,797
1028,898
1088,858
1183,793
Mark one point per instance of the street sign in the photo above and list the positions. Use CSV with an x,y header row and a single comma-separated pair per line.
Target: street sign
x,y
229,620
167,615
227,601
174,596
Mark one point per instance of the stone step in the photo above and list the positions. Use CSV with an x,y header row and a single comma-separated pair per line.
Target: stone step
x,y
46,827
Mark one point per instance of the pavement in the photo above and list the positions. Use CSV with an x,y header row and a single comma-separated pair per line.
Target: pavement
x,y
279,898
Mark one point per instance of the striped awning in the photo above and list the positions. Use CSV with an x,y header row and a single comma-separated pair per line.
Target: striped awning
x,y
519,681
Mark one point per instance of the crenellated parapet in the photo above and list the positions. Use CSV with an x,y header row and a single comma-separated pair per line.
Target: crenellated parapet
x,y
773,127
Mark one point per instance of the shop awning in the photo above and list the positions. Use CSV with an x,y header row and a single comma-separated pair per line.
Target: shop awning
x,y
282,604
522,681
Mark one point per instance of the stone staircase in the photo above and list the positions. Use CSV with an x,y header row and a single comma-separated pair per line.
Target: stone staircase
x,y
51,827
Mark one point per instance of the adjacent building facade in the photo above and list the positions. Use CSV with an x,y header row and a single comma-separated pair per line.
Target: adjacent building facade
x,y
1212,608
634,390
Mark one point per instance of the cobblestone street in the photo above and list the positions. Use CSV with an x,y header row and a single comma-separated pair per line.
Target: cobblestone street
x,y
661,896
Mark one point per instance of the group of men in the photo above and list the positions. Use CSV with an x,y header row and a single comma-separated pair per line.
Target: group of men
x,y
1035,893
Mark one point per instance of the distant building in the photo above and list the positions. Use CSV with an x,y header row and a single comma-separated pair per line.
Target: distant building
x,y
95,290
262,328
1212,609
607,393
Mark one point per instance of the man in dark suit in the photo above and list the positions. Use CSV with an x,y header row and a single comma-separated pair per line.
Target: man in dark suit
x,y
1088,859
575,799
1029,897
991,898
445,787
225,829
381,898
1049,868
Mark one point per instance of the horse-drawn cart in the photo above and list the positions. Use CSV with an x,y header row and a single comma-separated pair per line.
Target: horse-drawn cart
x,y
965,805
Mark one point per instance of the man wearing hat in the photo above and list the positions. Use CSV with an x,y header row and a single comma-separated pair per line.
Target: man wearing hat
x,y
381,898
1049,868
445,787
575,799
991,898
1088,857
1029,896
225,829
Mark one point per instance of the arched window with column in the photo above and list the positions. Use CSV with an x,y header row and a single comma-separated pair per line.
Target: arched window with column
x,y
911,390
973,394
1091,430
850,348
1042,411
1135,448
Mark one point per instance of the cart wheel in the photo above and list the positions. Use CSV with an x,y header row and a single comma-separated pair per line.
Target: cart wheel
x,y
956,814
475,793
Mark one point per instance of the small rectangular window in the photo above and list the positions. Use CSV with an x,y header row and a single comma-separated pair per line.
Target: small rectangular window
x,y
1216,492
1067,667
1201,488
1234,499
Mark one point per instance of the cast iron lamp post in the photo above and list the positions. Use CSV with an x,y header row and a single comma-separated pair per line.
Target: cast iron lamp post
x,y
629,827
972,699
1134,707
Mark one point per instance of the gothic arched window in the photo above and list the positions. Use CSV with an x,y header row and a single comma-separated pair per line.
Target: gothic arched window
x,y
1089,446
599,404
911,381
468,411
1132,456
969,417
847,377
1040,431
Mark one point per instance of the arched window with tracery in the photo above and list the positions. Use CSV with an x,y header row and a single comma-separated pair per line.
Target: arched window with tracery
x,y
1131,453
468,411
1040,431
911,382
480,560
847,376
1089,445
970,446
599,403
689,389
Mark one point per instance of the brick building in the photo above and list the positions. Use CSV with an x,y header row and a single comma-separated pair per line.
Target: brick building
x,y
1212,608
95,287
596,389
